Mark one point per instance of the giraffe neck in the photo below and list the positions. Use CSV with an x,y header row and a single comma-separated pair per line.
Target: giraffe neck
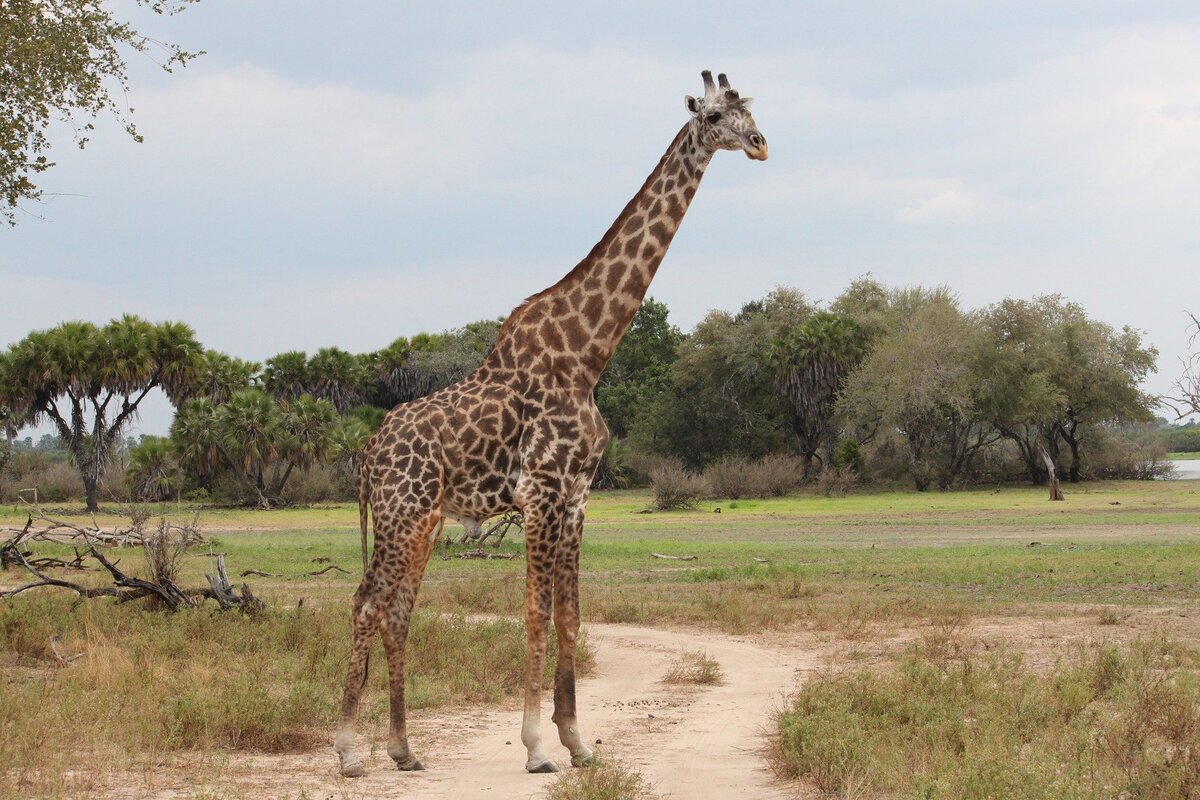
x,y
572,328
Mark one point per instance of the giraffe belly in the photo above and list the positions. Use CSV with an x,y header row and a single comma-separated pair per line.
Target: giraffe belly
x,y
471,497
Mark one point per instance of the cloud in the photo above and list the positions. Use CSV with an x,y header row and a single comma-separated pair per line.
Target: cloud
x,y
950,204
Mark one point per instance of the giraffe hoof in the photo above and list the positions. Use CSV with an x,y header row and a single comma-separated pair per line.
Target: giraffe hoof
x,y
544,766
585,760
410,764
353,769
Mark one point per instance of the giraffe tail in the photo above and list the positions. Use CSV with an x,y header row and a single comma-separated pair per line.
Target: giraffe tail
x,y
364,502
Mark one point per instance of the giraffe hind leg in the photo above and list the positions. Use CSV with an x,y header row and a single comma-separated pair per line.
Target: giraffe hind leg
x,y
400,545
395,636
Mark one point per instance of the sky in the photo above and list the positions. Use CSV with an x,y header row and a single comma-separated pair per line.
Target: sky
x,y
344,174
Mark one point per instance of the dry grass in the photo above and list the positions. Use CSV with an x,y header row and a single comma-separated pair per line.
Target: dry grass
x,y
607,780
955,720
149,683
694,667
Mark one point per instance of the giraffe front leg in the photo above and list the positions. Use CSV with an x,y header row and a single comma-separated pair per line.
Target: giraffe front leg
x,y
566,623
541,535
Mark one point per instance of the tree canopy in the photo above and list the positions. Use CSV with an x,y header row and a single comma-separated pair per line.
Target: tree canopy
x,y
62,60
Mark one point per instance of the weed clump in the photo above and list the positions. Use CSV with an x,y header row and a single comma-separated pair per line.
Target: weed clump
x,y
676,487
695,667
606,780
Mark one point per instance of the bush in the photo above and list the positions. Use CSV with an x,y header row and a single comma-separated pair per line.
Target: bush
x,y
777,474
1125,454
836,482
56,481
848,456
318,484
730,477
676,487
771,476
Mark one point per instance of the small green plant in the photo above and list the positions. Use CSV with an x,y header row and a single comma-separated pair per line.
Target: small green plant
x,y
695,667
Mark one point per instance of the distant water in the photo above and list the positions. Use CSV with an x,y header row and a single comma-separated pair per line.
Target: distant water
x,y
1185,470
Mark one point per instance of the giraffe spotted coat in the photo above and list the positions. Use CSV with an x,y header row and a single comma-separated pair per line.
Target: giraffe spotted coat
x,y
523,433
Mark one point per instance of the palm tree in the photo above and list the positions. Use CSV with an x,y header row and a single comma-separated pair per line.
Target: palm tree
x,y
339,377
811,364
154,472
89,382
248,429
285,376
218,376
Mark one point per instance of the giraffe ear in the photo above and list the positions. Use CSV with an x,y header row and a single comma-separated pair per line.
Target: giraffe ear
x,y
693,105
747,102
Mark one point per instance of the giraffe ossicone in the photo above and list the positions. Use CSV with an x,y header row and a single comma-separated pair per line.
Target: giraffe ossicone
x,y
523,433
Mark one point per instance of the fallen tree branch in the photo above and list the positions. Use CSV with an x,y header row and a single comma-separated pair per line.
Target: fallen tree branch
x,y
244,573
674,558
331,566
480,553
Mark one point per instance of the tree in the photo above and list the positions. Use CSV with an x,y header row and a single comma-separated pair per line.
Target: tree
x,y
811,363
218,376
723,400
920,383
640,369
260,440
1056,373
1185,394
61,60
89,382
153,472
411,368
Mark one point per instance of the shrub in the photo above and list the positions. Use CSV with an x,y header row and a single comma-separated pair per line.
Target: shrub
x,y
777,474
695,667
772,475
606,780
848,456
1126,454
318,484
676,487
729,477
836,482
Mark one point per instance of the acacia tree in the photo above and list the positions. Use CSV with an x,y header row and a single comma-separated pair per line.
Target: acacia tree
x,y
89,381
61,60
921,382
1055,373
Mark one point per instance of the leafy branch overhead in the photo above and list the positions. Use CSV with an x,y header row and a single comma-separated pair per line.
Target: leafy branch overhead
x,y
63,61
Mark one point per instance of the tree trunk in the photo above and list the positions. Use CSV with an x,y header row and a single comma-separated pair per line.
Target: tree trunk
x,y
1055,489
90,487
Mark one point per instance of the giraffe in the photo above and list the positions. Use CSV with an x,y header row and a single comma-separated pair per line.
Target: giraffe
x,y
523,433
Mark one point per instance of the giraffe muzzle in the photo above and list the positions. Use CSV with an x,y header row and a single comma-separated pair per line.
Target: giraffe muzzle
x,y
755,146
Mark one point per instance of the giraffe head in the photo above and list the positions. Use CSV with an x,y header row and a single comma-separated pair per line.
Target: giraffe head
x,y
723,121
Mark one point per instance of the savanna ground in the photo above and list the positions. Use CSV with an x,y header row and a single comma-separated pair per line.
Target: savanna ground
x,y
981,643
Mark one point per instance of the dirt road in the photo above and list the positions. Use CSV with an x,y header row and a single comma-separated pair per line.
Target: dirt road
x,y
699,743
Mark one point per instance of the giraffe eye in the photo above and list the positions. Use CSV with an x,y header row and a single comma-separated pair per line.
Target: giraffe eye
x,y
714,118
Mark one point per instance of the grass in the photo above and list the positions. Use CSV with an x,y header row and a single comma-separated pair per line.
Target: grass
x,y
1191,456
955,721
607,780
152,685
694,667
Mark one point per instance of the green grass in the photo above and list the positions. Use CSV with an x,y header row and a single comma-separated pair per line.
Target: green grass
x,y
1192,456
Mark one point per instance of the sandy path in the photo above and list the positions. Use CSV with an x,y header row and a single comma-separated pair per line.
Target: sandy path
x,y
700,743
